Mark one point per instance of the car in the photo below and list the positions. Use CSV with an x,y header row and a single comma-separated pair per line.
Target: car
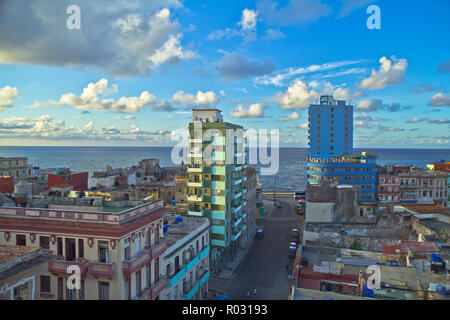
x,y
293,244
259,233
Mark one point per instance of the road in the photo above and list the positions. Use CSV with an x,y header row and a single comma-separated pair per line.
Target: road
x,y
264,267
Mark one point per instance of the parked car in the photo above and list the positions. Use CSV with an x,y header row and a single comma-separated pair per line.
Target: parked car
x,y
299,195
292,249
259,233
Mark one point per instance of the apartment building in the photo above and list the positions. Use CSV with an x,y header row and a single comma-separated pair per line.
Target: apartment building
x,y
117,248
424,186
442,167
16,167
186,259
330,136
216,186
249,215
388,188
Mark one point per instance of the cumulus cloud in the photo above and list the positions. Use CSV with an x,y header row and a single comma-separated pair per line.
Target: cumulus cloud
x,y
201,99
119,38
298,96
369,105
389,129
253,111
391,72
237,66
245,28
293,116
299,12
421,87
365,116
46,127
416,120
248,20
440,100
7,96
273,34
90,99
440,121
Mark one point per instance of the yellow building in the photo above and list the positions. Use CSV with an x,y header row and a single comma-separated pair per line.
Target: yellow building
x,y
118,250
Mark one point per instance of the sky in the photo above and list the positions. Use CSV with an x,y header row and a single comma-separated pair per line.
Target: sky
x,y
133,71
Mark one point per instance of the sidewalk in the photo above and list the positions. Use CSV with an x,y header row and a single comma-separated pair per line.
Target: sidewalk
x,y
232,266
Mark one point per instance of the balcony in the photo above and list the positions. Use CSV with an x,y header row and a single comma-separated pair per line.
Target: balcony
x,y
196,211
173,278
100,269
237,168
157,287
236,236
195,198
197,169
158,248
236,182
237,222
59,267
195,183
237,195
189,291
137,262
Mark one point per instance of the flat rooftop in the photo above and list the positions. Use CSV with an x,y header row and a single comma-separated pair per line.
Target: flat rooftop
x,y
178,230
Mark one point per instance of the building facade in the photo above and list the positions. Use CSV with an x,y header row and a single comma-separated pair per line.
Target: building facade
x,y
443,167
118,250
331,146
249,215
330,128
16,167
217,186
186,259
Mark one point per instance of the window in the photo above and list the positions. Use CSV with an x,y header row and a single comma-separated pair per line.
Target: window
x,y
44,242
82,290
59,245
80,248
45,284
103,290
21,240
138,283
137,244
103,251
127,289
71,294
21,292
126,249
60,288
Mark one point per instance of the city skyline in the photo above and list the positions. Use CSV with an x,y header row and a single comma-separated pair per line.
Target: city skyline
x,y
131,75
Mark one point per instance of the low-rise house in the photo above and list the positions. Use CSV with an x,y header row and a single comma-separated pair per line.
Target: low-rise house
x,y
186,259
22,273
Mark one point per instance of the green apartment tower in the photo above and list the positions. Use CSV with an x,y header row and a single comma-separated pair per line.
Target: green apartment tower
x,y
216,176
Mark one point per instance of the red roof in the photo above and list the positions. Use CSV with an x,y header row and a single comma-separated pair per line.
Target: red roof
x,y
404,246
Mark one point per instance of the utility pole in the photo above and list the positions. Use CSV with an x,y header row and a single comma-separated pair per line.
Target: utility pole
x,y
274,188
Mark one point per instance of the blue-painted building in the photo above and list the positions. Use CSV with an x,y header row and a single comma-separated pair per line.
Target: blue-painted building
x,y
330,128
331,148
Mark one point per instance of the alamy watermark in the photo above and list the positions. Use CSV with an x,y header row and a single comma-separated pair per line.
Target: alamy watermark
x,y
229,148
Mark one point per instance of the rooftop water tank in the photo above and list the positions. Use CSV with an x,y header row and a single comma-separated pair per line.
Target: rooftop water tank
x,y
165,228
178,219
23,187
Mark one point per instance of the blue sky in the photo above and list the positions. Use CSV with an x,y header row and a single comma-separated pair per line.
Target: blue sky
x,y
135,69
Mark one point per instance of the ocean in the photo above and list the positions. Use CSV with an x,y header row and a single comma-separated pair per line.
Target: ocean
x,y
291,173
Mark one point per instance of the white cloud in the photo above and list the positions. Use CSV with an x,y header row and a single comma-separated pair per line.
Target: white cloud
x,y
201,99
298,96
124,40
237,66
439,100
90,99
253,111
280,77
248,20
7,96
390,73
293,116
369,105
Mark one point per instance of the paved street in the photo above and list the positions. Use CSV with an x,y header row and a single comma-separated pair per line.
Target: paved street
x,y
264,267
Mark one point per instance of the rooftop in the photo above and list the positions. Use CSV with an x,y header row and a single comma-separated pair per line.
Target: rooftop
x,y
427,208
178,230
14,259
